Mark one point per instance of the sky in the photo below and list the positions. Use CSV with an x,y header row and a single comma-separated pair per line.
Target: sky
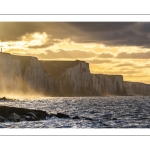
x,y
115,48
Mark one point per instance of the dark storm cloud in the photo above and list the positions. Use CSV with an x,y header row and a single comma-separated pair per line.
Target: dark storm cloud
x,y
141,55
115,33
143,27
109,33
101,26
14,30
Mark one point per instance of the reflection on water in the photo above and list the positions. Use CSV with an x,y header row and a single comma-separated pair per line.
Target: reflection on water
x,y
106,112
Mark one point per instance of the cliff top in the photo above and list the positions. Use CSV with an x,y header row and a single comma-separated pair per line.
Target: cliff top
x,y
136,82
16,56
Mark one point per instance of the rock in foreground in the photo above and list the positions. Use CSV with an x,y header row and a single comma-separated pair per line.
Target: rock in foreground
x,y
14,114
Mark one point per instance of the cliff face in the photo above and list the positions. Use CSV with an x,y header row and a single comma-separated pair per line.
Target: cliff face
x,y
70,78
108,84
136,88
74,78
27,75
23,75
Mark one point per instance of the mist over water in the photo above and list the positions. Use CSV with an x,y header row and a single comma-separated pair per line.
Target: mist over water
x,y
106,112
17,94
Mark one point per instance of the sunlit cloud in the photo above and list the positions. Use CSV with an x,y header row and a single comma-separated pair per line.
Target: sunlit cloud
x,y
35,39
135,55
110,48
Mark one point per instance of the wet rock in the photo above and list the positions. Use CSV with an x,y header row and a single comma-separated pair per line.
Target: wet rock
x,y
51,115
76,117
31,114
14,114
86,118
20,114
3,98
61,115
30,118
2,119
105,124
107,116
14,117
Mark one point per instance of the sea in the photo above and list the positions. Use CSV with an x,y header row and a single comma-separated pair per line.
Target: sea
x,y
103,112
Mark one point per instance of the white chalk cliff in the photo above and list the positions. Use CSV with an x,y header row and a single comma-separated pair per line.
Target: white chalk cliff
x,y
137,88
28,75
108,84
76,80
23,75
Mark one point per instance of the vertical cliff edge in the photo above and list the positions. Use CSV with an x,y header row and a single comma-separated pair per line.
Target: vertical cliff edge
x,y
21,75
137,88
26,75
73,78
108,84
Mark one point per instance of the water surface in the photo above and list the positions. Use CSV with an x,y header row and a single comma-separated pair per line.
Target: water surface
x,y
106,112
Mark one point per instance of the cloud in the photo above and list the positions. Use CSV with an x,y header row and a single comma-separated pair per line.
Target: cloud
x,y
99,61
143,27
124,65
42,46
141,55
101,26
63,54
122,72
12,31
108,33
105,55
15,51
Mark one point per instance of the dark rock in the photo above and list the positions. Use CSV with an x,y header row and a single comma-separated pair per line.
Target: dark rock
x,y
2,119
51,115
105,124
3,98
31,114
20,114
14,114
14,117
30,118
86,118
107,116
76,117
61,115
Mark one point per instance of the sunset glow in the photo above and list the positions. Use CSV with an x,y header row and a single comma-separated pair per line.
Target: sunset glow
x,y
110,48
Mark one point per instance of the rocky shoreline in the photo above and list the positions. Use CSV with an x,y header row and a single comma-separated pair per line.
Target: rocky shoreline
x,y
14,114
